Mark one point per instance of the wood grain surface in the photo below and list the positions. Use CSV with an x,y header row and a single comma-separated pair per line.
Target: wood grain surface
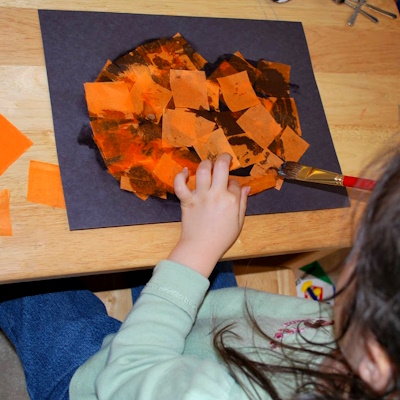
x,y
358,75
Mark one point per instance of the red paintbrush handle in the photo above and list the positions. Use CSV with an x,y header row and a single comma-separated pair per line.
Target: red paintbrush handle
x,y
359,183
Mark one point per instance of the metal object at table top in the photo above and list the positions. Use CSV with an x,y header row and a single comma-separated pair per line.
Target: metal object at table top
x,y
358,9
357,6
362,12
377,9
353,17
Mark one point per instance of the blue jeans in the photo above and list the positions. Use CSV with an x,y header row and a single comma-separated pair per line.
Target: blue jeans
x,y
55,333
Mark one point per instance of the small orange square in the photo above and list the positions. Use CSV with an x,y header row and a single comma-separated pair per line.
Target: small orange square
x,y
109,98
260,125
179,127
149,99
44,184
189,89
216,145
5,219
292,144
237,91
166,170
13,144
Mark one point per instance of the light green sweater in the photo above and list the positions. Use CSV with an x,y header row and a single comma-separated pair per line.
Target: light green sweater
x,y
164,348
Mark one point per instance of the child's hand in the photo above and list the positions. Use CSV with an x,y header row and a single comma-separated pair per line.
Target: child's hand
x,y
212,215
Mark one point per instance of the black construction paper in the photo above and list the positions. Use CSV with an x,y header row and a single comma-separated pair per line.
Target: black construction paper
x,y
77,45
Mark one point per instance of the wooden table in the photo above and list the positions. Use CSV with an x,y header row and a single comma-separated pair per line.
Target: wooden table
x,y
358,75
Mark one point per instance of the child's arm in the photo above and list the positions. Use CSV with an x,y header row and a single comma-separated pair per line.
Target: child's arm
x,y
146,360
212,215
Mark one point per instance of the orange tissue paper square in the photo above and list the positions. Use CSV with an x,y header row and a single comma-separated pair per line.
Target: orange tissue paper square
x,y
44,184
13,144
5,219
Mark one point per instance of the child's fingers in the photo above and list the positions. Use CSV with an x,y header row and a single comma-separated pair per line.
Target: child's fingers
x,y
243,203
234,186
181,190
203,176
221,170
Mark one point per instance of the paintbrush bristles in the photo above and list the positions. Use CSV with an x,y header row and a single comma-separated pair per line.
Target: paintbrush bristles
x,y
295,171
290,169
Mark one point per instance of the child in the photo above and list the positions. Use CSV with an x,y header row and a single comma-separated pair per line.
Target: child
x,y
181,342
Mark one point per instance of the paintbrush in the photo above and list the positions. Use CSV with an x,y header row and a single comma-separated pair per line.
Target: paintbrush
x,y
295,171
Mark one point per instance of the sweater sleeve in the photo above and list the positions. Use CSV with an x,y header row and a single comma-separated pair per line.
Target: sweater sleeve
x,y
145,359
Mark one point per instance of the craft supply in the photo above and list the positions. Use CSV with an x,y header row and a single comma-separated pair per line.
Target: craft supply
x,y
313,282
13,144
298,172
160,112
93,197
377,9
5,219
44,184
364,13
353,17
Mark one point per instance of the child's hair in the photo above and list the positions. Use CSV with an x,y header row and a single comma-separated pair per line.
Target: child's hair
x,y
373,308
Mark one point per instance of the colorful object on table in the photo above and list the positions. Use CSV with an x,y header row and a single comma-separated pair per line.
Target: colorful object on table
x,y
93,197
44,184
5,219
298,172
154,111
13,144
313,283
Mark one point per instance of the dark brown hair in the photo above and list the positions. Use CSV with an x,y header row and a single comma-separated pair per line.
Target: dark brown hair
x,y
373,308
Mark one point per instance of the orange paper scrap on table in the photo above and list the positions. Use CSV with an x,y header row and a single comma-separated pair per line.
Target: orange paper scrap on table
x,y
5,219
13,144
44,184
162,107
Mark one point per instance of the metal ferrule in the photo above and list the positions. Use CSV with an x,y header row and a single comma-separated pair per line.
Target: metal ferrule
x,y
310,174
